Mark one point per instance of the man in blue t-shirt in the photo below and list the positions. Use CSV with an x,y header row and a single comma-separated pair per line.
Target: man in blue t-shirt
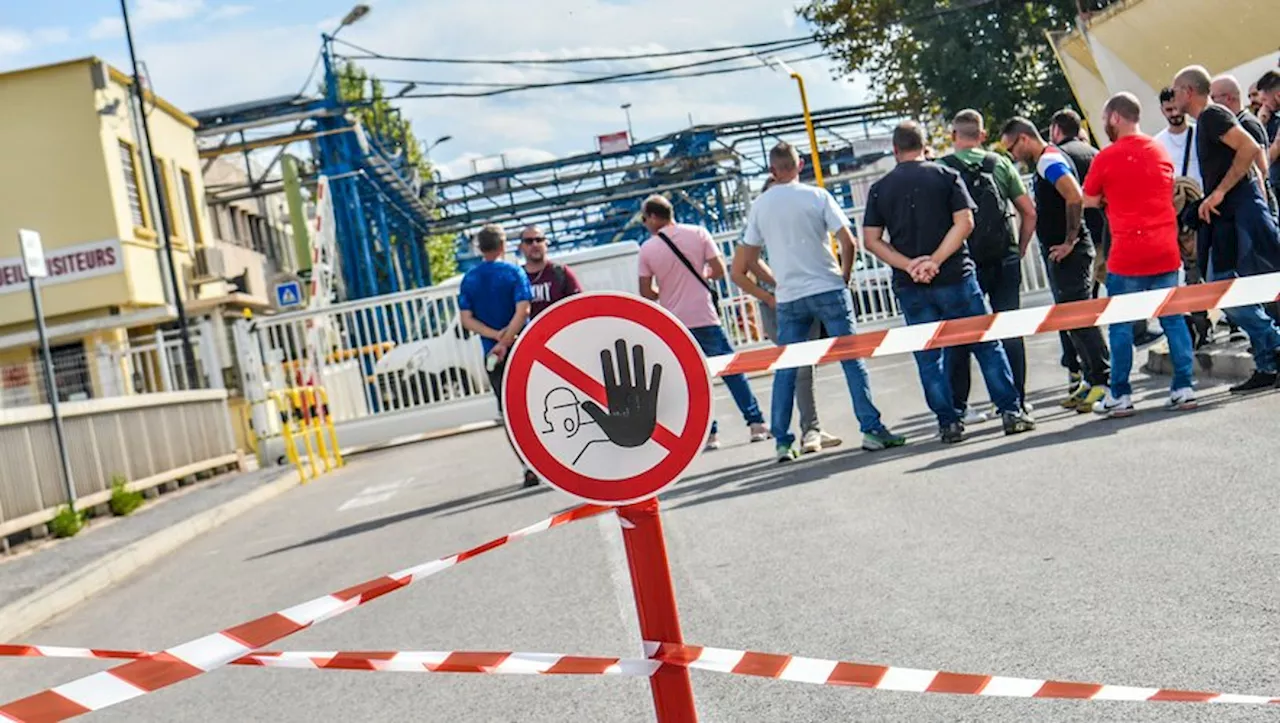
x,y
494,299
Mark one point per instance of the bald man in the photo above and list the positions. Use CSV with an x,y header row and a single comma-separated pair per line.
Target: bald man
x,y
1239,235
1225,91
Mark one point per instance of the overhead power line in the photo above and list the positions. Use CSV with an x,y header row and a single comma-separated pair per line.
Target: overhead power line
x,y
374,55
601,81
606,78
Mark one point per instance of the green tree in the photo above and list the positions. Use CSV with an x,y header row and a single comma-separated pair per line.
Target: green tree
x,y
384,121
932,58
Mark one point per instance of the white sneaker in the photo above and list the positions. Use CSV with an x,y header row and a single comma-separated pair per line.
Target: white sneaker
x,y
811,442
1110,406
973,416
1181,400
713,443
830,440
759,433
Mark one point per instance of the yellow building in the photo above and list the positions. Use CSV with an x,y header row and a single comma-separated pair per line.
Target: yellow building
x,y
1138,46
73,173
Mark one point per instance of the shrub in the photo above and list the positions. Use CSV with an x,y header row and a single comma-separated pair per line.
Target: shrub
x,y
123,502
67,523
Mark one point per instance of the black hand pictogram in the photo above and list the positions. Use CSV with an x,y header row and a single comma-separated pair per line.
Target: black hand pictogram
x,y
633,407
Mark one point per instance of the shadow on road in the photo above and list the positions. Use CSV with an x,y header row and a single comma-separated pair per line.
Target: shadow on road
x,y
475,501
755,477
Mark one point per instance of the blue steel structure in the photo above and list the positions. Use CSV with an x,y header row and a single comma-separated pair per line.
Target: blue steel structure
x,y
707,172
381,220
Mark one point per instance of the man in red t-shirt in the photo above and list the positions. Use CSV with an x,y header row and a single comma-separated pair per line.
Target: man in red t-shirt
x,y
1133,179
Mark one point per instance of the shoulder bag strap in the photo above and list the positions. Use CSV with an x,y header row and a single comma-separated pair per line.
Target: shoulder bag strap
x,y
715,298
1186,152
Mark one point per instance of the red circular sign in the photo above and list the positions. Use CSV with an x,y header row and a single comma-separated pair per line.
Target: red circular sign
x,y
692,379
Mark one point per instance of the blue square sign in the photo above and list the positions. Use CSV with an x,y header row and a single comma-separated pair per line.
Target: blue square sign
x,y
288,293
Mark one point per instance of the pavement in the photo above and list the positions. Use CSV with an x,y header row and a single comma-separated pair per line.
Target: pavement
x,y
1138,551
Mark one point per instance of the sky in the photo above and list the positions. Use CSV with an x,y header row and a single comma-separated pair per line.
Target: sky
x,y
207,53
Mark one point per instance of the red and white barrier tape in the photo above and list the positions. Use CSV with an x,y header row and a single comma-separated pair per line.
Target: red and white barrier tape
x,y
1005,325
792,668
455,661
190,659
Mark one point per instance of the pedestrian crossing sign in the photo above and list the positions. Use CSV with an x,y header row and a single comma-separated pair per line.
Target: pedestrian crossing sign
x,y
288,293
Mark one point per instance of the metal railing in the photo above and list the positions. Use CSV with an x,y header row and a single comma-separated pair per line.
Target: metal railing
x,y
143,365
147,440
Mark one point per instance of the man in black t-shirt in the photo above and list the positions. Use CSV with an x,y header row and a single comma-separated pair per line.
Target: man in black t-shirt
x,y
1225,91
1067,247
1269,97
928,214
1239,235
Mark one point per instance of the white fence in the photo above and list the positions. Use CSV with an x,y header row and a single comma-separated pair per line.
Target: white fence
x,y
142,365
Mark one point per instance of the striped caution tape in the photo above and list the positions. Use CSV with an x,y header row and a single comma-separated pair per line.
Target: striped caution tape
x,y
792,668
188,660
1005,325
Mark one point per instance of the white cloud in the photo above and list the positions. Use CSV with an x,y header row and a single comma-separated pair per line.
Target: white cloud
x,y
107,28
226,12
260,60
158,11
51,36
13,41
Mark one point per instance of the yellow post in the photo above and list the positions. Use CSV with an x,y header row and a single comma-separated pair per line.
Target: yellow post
x,y
285,409
296,396
814,156
328,422
310,399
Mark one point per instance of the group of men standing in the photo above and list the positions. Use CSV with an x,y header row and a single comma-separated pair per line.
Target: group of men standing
x,y
945,228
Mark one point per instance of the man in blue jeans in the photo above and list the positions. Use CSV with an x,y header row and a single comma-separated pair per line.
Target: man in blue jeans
x,y
1133,177
793,220
1239,236
928,213
684,260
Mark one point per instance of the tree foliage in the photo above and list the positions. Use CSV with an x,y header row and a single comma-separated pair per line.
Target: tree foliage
x,y
933,58
394,134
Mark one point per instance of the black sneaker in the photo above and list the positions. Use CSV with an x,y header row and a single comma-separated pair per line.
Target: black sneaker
x,y
1147,338
1255,383
1017,422
530,479
952,433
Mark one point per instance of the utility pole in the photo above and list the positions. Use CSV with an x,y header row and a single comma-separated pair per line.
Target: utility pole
x,y
184,333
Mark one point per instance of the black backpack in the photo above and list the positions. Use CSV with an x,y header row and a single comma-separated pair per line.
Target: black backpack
x,y
992,238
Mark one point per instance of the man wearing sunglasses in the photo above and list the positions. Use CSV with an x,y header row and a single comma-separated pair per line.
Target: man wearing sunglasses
x,y
549,281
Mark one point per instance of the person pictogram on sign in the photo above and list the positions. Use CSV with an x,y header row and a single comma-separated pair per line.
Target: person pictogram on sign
x,y
633,404
562,413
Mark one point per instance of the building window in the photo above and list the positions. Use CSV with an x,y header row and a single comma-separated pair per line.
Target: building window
x,y
162,188
193,210
133,185
215,217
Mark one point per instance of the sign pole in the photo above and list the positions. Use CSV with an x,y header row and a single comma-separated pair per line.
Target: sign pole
x,y
656,606
35,268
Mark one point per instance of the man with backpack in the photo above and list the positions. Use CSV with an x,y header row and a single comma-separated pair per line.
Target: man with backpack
x,y
684,260
549,281
993,184
926,212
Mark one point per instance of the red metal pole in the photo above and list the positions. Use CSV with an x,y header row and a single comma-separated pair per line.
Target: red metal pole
x,y
656,605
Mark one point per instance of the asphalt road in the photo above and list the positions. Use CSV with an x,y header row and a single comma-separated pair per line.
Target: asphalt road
x,y
1140,552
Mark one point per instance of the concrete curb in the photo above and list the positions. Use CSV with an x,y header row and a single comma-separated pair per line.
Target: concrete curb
x,y
61,595
1226,364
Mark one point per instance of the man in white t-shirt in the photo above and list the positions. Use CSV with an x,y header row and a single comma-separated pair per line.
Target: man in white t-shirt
x,y
1178,137
792,222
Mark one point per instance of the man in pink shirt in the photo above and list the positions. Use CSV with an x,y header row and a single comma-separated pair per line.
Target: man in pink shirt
x,y
684,260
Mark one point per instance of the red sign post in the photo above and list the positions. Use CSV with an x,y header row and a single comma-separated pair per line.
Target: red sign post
x,y
608,398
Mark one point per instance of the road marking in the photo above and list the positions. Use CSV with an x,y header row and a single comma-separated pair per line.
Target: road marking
x,y
375,494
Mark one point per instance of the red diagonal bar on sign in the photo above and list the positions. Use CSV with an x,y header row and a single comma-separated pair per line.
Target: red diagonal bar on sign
x,y
1073,315
584,383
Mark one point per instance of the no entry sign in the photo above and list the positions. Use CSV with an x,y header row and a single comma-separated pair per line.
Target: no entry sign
x,y
607,397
